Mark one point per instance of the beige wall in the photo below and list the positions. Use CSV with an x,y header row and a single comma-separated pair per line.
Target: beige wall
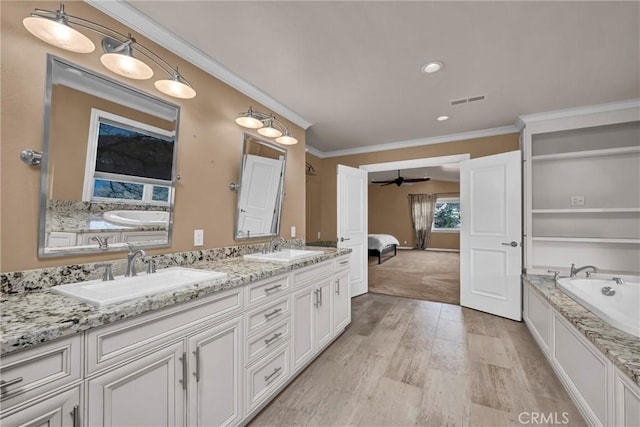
x,y
477,147
70,121
389,212
209,147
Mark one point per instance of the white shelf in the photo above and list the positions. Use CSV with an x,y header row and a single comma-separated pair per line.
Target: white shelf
x,y
585,210
589,153
586,240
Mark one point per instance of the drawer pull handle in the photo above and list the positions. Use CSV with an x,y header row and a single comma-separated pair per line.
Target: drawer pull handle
x,y
337,286
183,380
273,338
273,288
14,381
346,261
75,415
273,313
197,372
275,371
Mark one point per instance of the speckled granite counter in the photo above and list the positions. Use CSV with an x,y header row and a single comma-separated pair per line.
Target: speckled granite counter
x,y
38,316
621,348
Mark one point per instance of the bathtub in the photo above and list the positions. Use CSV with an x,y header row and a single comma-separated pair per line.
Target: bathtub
x,y
621,310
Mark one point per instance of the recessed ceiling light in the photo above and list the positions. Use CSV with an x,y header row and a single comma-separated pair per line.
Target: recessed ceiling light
x,y
432,67
442,118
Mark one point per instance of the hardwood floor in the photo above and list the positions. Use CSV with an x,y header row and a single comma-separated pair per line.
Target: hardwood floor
x,y
409,362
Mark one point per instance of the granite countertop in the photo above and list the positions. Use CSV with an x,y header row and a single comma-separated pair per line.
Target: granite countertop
x,y
621,348
38,316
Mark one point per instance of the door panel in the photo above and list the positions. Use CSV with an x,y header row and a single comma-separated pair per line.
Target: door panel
x,y
352,223
490,234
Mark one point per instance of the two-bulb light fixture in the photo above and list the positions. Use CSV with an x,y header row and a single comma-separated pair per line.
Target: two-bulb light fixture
x,y
267,125
56,28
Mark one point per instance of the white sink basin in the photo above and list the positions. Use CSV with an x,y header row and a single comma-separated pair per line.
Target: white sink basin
x,y
122,288
125,217
285,255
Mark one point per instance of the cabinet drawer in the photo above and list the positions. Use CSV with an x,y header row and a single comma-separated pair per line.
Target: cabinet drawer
x,y
130,338
266,290
268,315
265,377
306,275
40,369
267,341
341,263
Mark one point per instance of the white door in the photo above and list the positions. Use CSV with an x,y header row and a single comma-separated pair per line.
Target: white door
x,y
490,247
323,313
341,302
258,195
303,330
352,224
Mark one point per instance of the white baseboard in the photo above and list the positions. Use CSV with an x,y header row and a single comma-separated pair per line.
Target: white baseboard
x,y
430,249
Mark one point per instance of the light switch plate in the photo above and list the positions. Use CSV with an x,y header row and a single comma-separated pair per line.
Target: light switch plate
x,y
198,237
318,235
577,200
293,231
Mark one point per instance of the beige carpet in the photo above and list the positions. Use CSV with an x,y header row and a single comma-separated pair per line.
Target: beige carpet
x,y
426,275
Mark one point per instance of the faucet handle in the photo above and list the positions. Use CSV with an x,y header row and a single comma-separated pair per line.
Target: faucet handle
x,y
107,275
103,242
151,266
556,274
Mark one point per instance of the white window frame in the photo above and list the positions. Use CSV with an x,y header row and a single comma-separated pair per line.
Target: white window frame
x,y
90,164
445,230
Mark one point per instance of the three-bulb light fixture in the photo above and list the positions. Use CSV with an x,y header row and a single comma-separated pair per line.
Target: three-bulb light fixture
x,y
267,125
56,28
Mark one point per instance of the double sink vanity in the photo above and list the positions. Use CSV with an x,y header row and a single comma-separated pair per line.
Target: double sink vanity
x,y
208,343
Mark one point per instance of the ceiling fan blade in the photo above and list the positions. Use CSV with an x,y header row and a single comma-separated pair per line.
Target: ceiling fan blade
x,y
417,179
383,182
388,183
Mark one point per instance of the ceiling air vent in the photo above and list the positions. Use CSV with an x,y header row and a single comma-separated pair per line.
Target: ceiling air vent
x,y
468,100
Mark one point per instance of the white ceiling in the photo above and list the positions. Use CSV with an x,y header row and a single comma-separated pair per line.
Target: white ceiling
x,y
353,68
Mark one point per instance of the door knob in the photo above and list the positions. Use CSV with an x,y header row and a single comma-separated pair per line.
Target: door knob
x,y
512,244
342,239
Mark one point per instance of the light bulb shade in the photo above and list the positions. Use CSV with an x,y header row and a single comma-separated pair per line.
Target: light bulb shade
x,y
175,87
126,66
269,130
286,139
58,34
248,120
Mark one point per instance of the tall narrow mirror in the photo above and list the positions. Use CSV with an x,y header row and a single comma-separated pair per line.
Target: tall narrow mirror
x,y
108,164
261,189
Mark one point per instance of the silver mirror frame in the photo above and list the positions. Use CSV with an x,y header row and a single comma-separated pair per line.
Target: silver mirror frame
x,y
241,186
52,61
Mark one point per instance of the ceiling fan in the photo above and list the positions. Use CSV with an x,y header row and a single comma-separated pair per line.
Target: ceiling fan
x,y
401,180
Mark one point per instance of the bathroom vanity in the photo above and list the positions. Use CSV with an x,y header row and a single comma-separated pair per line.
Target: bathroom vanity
x,y
213,353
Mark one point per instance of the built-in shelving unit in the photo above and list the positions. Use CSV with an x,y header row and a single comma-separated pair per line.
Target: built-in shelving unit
x,y
582,190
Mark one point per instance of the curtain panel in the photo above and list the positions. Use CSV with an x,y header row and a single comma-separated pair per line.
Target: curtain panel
x,y
422,208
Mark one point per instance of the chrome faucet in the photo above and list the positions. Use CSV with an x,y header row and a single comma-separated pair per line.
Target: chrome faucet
x,y
131,258
575,270
618,280
273,243
103,242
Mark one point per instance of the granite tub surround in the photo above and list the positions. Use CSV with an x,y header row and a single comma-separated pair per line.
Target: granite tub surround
x,y
621,348
36,316
73,216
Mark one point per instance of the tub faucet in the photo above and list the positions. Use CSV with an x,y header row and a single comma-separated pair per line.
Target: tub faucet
x,y
575,270
131,260
618,280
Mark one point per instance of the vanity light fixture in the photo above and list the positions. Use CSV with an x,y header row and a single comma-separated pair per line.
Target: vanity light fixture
x,y
267,125
56,28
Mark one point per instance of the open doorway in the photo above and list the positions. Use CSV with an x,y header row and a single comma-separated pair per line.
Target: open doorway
x,y
424,265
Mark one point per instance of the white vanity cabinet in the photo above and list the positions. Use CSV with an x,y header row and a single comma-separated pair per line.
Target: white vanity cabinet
x,y
216,360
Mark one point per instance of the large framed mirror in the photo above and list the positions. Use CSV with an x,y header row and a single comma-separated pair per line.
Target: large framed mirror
x,y
261,189
108,164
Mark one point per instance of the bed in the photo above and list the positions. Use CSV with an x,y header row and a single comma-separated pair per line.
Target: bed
x,y
380,244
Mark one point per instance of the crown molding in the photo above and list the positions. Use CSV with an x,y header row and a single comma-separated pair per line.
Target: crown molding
x,y
416,142
579,111
141,23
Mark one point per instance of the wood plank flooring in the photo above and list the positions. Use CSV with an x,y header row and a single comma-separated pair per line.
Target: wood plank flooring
x,y
405,362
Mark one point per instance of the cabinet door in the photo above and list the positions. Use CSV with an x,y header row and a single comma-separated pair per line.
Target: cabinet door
x,y
341,302
323,313
146,392
215,363
60,410
303,331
